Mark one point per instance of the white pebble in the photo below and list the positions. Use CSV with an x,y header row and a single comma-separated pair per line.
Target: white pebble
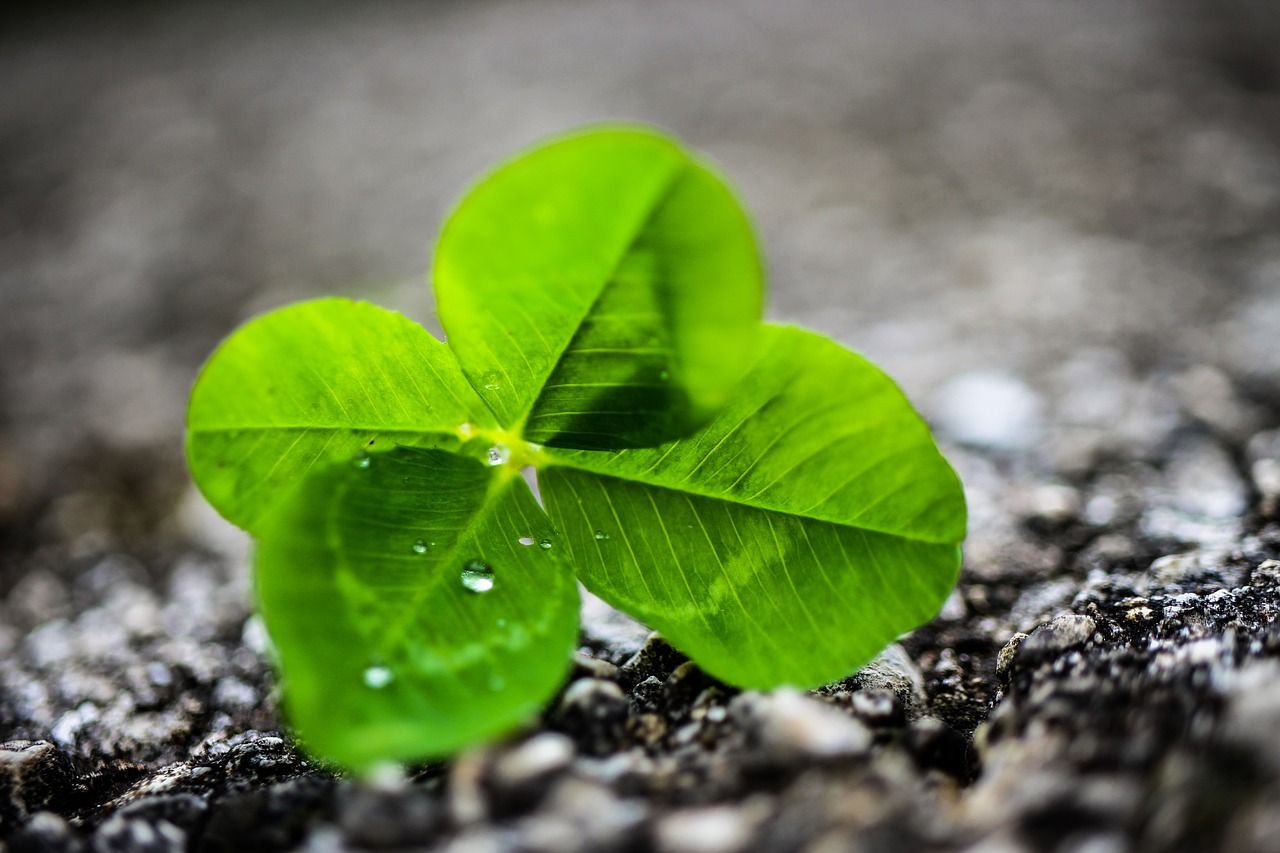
x,y
989,409
719,829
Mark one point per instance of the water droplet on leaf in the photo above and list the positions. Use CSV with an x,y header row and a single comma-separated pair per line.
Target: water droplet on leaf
x,y
491,381
600,534
477,576
498,454
420,547
362,460
525,540
378,677
545,544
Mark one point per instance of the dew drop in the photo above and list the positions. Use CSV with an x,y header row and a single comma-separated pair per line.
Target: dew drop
x,y
378,677
525,540
498,454
477,576
545,544
600,534
491,381
420,546
362,460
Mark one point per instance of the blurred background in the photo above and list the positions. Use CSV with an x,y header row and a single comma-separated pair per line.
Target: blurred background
x,y
1052,221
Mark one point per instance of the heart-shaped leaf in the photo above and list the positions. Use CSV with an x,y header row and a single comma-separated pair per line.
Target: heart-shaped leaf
x,y
418,601
316,382
601,291
787,542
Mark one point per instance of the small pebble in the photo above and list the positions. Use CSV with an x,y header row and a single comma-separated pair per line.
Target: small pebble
x,y
1177,569
648,694
989,409
1267,573
656,659
1004,661
1203,481
685,685
894,671
45,832
1265,474
378,818
185,811
793,726
1053,638
878,708
604,819
1053,504
120,834
465,797
33,775
533,762
593,713
716,829
935,745
586,666
550,833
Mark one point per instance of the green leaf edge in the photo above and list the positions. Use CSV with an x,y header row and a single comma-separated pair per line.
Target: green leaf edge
x,y
363,748
639,129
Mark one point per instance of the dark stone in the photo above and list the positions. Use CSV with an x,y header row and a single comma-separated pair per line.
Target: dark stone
x,y
274,818
685,684
593,713
263,758
1054,638
521,776
1271,639
185,811
377,819
937,746
656,659
648,695
45,832
33,775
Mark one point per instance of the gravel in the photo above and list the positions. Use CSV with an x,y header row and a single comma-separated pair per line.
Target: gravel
x,y
1053,223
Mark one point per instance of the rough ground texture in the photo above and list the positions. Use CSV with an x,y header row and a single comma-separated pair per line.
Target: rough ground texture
x,y
1054,222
